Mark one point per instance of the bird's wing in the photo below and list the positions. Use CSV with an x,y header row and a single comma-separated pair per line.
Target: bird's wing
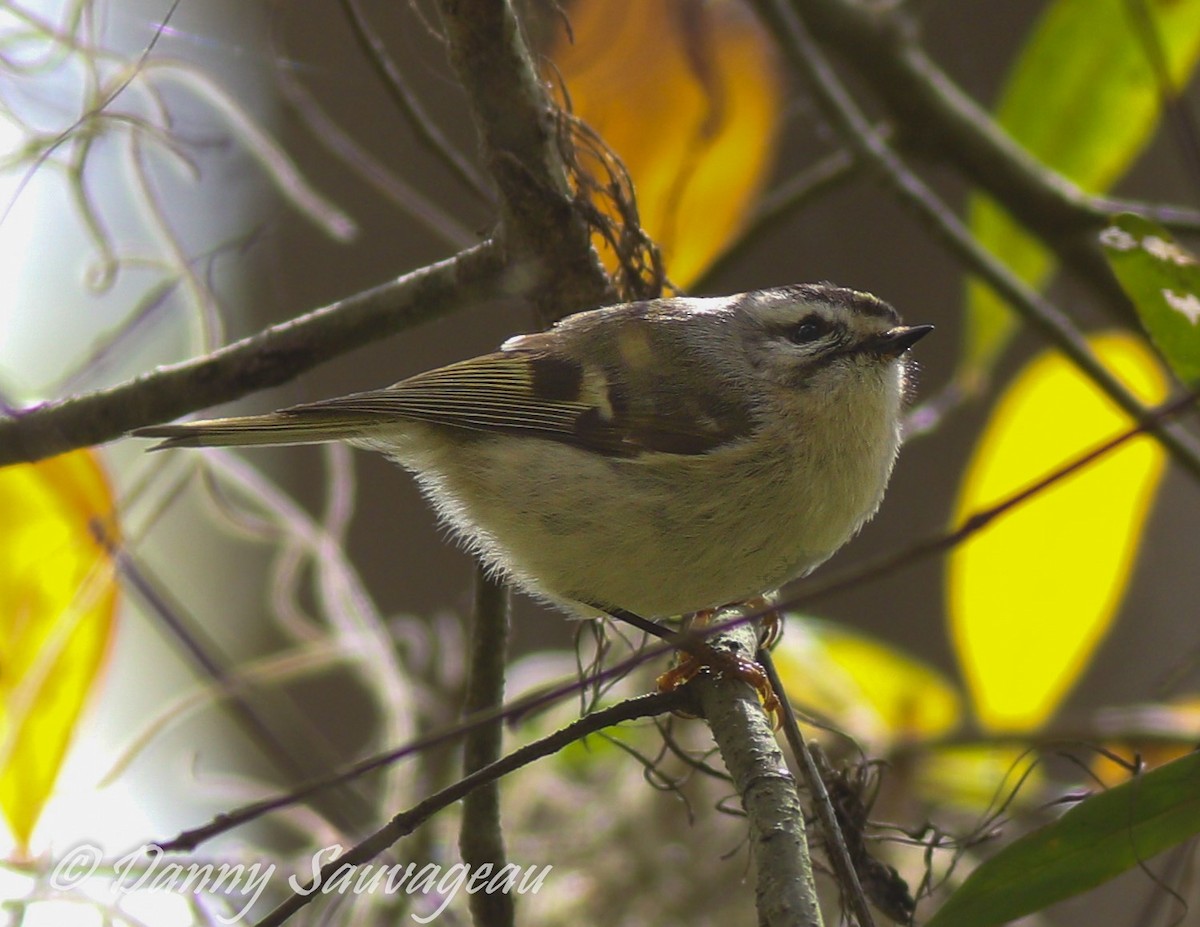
x,y
536,393
617,403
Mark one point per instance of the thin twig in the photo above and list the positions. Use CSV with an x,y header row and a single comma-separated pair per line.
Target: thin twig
x,y
1140,734
422,125
404,195
512,712
348,808
835,843
269,358
112,92
646,706
480,838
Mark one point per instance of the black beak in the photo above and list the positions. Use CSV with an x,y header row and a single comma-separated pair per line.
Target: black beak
x,y
896,341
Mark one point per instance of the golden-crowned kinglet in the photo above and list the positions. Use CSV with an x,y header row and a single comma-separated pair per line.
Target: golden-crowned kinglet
x,y
656,457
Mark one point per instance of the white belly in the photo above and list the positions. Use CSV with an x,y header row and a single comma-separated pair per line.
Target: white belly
x,y
661,535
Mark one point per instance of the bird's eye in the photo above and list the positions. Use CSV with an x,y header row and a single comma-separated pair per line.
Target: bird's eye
x,y
809,329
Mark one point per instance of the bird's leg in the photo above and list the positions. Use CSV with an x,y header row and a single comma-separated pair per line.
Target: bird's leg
x,y
770,625
701,655
653,628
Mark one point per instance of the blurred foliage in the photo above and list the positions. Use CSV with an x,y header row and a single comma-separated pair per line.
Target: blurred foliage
x,y
1094,841
1084,98
58,598
878,695
690,98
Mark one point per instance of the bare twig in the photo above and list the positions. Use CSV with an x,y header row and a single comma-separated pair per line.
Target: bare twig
x,y
926,103
404,195
646,706
540,226
422,125
512,712
271,357
839,854
284,735
785,890
480,839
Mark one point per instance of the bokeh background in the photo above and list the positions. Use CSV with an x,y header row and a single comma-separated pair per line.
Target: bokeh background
x,y
271,263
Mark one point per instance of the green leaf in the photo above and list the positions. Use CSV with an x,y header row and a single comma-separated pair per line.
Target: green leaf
x,y
1083,99
1163,281
1096,840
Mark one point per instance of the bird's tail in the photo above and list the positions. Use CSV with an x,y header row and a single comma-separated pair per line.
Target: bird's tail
x,y
291,426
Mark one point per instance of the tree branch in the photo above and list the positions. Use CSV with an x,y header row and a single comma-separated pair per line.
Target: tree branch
x,y
271,357
480,838
546,236
936,117
786,892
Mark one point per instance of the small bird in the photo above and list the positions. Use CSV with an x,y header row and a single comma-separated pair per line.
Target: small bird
x,y
656,458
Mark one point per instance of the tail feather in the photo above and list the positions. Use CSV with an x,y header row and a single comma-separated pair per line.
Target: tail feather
x,y
277,428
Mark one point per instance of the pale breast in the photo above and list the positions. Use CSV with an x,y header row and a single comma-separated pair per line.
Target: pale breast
x,y
659,535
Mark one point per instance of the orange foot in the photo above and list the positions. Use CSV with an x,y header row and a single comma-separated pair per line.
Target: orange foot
x,y
689,665
770,625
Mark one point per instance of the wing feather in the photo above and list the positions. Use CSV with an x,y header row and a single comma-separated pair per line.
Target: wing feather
x,y
530,388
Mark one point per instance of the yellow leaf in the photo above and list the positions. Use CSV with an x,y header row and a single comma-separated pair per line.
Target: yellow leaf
x,y
1031,595
57,600
874,692
688,94
978,777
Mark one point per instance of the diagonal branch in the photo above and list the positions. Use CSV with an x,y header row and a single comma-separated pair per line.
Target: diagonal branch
x,y
271,357
404,823
939,118
839,855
